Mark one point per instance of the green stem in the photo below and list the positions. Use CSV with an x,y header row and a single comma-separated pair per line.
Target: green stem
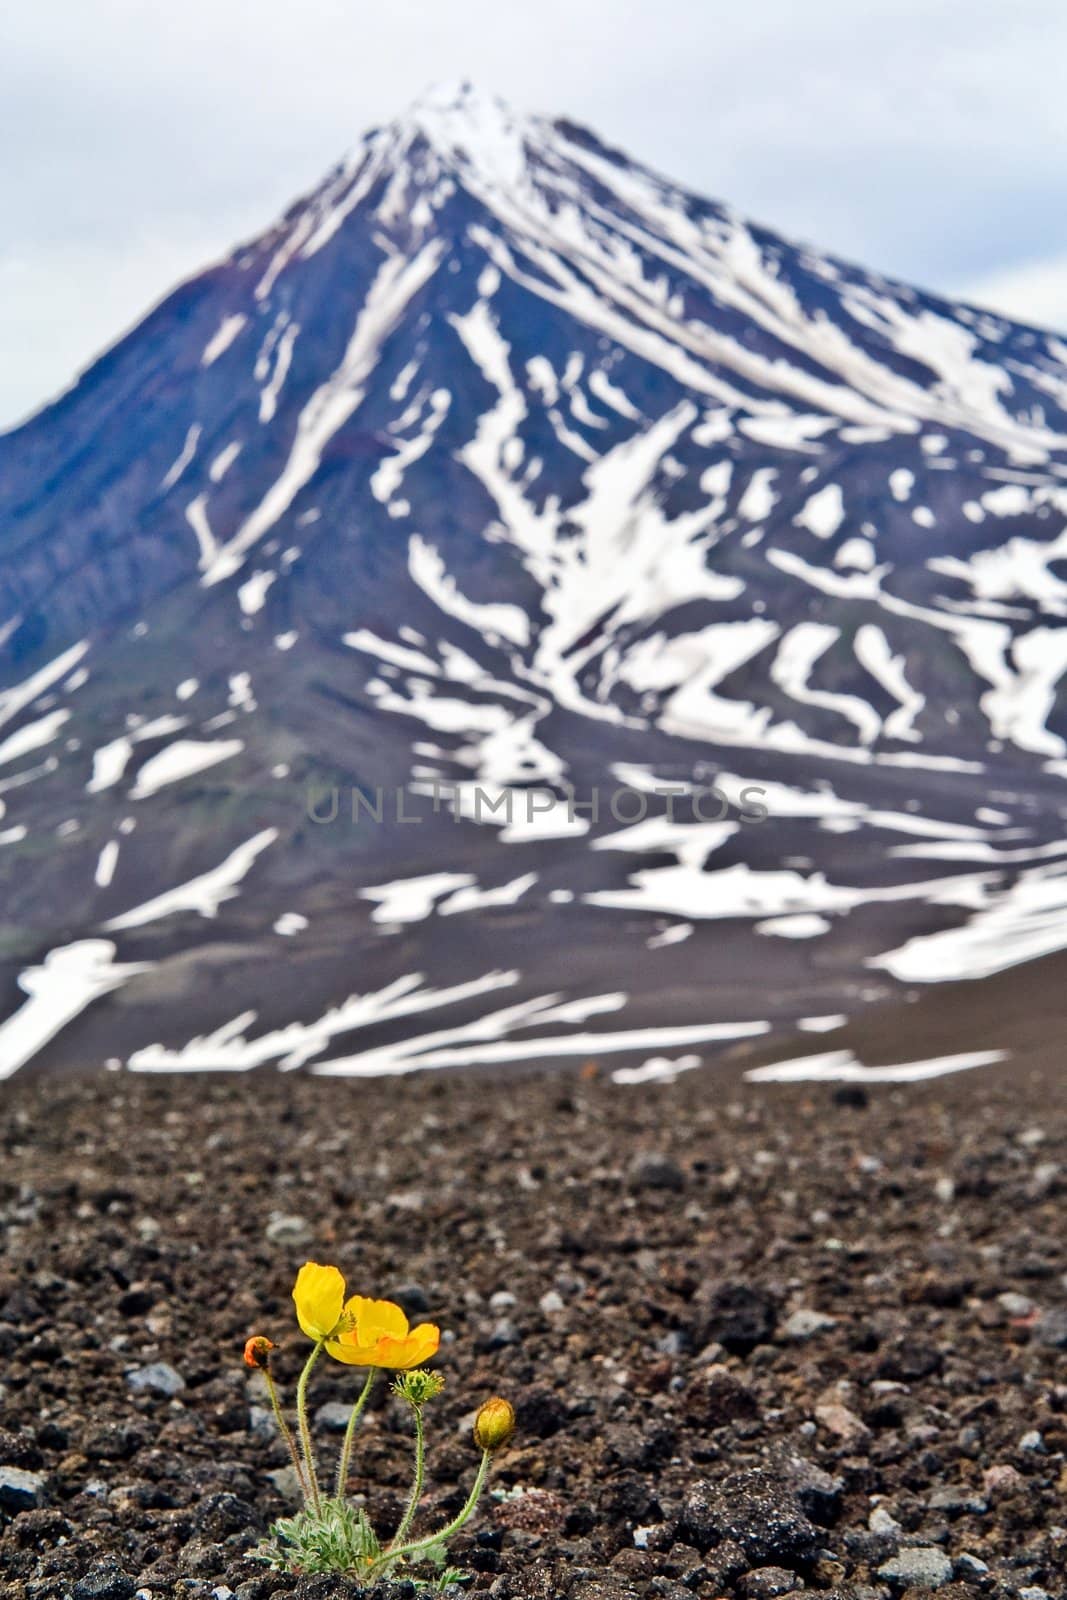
x,y
314,1497
419,1545
286,1433
346,1449
416,1488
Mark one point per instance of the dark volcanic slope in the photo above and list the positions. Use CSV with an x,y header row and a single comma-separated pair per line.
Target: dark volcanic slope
x,y
501,461
643,1314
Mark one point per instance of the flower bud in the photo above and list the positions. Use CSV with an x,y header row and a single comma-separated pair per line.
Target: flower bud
x,y
257,1352
494,1424
417,1386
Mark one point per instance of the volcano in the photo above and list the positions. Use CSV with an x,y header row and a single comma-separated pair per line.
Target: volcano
x,y
515,609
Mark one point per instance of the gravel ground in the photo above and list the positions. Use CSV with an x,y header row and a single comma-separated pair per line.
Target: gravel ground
x,y
761,1339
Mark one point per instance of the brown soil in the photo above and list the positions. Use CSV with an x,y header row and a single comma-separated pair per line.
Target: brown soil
x,y
678,1438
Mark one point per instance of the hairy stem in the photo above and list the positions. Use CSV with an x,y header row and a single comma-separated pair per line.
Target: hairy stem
x,y
345,1462
416,1487
314,1498
286,1433
416,1548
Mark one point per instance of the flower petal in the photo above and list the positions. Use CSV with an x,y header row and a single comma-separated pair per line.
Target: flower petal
x,y
419,1346
318,1294
346,1348
377,1319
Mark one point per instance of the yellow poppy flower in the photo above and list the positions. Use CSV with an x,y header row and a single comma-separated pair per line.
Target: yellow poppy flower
x,y
319,1297
379,1336
357,1331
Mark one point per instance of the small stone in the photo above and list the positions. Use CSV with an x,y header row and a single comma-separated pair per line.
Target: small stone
x,y
538,1511
1016,1305
1050,1329
908,1360
105,1581
726,1563
333,1416
502,1301
261,1423
21,1490
288,1231
768,1583
739,1317
539,1412
803,1325
716,1397
504,1333
1032,1441
1034,1593
649,1170
158,1378
757,1511
818,1493
881,1522
945,1190
551,1303
968,1566
919,1564
842,1423
1001,1479
958,1502
222,1514
285,1483
412,1299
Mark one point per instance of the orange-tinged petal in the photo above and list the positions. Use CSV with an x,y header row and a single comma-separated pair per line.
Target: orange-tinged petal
x,y
319,1295
345,1348
419,1346
377,1319
396,1355
424,1341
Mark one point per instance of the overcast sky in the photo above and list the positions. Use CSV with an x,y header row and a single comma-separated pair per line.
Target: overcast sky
x,y
925,138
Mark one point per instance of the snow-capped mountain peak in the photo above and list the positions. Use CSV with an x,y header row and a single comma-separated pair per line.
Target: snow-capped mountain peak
x,y
471,130
501,462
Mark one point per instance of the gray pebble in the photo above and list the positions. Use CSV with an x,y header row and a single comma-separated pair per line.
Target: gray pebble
x,y
880,1521
648,1170
958,1502
805,1324
285,1482
333,1416
1050,1329
21,1490
919,1564
261,1423
290,1232
157,1378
